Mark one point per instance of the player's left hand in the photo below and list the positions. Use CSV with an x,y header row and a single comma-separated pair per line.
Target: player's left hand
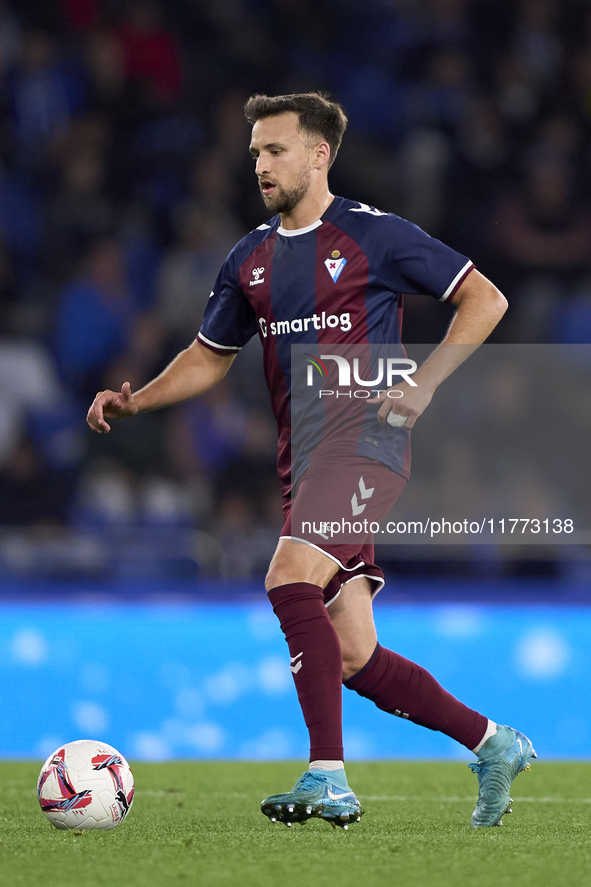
x,y
410,403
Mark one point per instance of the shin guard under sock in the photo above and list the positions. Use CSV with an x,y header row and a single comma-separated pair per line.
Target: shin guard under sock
x,y
316,664
402,688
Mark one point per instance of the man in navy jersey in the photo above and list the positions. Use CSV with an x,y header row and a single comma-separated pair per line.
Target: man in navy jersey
x,y
329,271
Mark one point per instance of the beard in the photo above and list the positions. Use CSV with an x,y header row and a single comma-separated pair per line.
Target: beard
x,y
284,200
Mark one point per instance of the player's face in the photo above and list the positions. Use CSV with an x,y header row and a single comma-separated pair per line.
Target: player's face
x,y
283,161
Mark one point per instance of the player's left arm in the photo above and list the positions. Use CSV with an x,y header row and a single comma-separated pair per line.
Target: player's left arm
x,y
479,307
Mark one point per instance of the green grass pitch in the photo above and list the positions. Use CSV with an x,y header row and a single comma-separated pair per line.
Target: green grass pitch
x,y
200,823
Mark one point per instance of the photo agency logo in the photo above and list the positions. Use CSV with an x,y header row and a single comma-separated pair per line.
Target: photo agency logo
x,y
389,372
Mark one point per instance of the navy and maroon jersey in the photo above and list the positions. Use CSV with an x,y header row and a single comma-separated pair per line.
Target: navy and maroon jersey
x,y
340,281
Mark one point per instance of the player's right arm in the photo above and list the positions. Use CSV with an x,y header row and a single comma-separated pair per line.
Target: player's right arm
x,y
193,372
228,323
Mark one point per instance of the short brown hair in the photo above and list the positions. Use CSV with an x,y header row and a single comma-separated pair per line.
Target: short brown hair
x,y
317,114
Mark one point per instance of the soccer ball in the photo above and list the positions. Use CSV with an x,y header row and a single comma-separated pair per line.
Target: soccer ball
x,y
85,784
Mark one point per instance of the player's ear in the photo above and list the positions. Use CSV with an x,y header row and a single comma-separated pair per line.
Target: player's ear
x,y
322,154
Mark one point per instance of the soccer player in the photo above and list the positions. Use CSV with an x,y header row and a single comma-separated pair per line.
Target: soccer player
x,y
322,271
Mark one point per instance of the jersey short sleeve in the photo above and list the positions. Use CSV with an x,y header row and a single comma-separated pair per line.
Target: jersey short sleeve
x,y
425,264
228,320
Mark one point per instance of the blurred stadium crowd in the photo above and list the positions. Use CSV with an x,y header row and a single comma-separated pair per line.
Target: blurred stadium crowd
x,y
125,179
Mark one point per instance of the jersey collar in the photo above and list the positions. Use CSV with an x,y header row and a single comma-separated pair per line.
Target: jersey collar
x,y
295,232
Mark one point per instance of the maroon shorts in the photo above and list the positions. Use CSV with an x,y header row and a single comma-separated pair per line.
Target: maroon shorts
x,y
336,507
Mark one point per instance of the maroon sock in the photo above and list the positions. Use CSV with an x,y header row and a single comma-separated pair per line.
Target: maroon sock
x,y
402,688
316,664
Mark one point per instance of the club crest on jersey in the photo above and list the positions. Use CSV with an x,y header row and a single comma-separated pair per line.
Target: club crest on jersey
x,y
335,264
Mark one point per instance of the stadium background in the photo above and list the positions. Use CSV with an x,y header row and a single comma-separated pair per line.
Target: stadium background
x,y
130,566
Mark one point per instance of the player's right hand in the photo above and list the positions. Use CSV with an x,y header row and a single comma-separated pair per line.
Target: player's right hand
x,y
111,405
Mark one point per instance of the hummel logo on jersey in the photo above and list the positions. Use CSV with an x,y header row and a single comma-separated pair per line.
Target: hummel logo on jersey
x,y
296,668
256,273
334,797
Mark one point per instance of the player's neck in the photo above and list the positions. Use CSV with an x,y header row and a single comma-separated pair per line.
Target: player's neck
x,y
311,208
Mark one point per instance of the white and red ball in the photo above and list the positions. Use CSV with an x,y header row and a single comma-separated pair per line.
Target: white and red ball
x,y
85,785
